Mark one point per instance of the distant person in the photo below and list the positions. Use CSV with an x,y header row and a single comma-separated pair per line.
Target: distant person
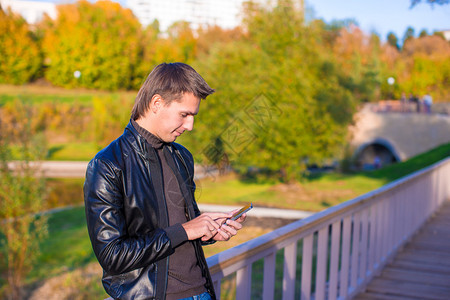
x,y
427,102
377,162
416,100
144,224
403,103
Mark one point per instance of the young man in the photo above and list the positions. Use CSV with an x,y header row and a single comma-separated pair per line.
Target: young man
x,y
145,227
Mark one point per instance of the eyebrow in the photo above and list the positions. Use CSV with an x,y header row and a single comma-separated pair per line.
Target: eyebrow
x,y
189,112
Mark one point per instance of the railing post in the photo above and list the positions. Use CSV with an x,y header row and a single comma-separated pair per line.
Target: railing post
x,y
372,237
322,259
269,276
290,263
355,250
334,260
244,283
307,267
364,244
217,286
345,256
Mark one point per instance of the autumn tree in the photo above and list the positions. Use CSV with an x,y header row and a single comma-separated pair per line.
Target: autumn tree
x,y
358,56
431,2
211,36
20,56
393,40
424,67
280,103
409,34
22,194
97,42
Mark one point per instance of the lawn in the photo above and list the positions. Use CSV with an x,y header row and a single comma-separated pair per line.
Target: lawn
x,y
38,94
72,151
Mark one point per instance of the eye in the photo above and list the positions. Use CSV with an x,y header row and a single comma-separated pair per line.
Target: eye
x,y
184,115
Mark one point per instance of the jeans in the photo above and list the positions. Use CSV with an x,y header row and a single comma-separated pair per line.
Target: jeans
x,y
204,296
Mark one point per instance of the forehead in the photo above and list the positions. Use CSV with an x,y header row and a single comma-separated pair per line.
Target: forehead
x,y
188,103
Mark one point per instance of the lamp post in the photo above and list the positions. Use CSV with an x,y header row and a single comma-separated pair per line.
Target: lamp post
x,y
391,81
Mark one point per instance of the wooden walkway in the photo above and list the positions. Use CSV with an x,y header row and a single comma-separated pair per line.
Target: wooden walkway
x,y
421,270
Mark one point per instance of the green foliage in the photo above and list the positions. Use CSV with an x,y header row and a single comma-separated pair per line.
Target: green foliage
x,y
431,2
423,66
286,89
109,118
280,114
409,34
21,199
98,40
393,40
20,56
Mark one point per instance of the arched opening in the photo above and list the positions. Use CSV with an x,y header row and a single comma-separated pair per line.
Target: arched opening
x,y
376,155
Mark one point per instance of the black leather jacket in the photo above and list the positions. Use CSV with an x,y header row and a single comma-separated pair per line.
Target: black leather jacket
x,y
126,216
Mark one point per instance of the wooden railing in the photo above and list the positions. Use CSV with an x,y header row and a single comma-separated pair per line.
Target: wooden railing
x,y
339,250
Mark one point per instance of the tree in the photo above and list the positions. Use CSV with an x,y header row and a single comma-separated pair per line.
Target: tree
x,y
20,57
98,42
21,200
409,34
426,67
423,33
280,113
393,40
431,2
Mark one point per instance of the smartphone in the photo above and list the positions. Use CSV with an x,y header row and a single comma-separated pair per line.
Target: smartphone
x,y
243,210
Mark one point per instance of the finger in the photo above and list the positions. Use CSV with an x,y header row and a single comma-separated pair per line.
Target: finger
x,y
230,230
217,215
226,236
235,224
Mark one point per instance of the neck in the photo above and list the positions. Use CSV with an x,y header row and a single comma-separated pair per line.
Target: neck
x,y
150,137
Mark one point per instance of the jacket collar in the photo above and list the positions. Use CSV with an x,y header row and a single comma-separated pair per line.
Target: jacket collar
x,y
152,139
138,142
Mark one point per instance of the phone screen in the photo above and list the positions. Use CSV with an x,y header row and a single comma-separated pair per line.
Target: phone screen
x,y
242,211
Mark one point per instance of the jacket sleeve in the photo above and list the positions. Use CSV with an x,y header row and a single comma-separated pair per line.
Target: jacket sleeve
x,y
116,251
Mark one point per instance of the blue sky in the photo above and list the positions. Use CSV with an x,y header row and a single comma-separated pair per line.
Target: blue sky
x,y
383,16
380,16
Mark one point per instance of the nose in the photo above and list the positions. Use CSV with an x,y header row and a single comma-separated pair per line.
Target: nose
x,y
189,123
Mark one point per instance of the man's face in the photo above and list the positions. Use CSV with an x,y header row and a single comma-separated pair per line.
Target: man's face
x,y
175,118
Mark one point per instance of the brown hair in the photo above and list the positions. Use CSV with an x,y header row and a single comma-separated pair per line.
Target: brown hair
x,y
170,81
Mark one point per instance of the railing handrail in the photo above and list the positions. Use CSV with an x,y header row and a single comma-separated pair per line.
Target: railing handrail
x,y
235,258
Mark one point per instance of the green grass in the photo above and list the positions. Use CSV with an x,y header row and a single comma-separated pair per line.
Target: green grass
x,y
40,94
317,191
67,247
73,151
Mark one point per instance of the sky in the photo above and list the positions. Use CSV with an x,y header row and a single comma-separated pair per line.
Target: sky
x,y
380,16
384,16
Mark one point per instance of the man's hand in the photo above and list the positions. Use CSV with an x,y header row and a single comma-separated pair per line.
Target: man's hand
x,y
229,227
206,226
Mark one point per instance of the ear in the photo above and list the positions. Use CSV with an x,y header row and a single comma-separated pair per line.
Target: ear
x,y
156,103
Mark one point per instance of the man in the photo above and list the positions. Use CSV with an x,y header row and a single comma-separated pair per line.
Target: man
x,y
145,227
427,102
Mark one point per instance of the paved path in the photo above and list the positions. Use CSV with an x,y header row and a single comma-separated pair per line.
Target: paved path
x,y
56,169
77,169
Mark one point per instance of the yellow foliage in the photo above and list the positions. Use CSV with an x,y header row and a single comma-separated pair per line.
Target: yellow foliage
x,y
20,57
99,40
